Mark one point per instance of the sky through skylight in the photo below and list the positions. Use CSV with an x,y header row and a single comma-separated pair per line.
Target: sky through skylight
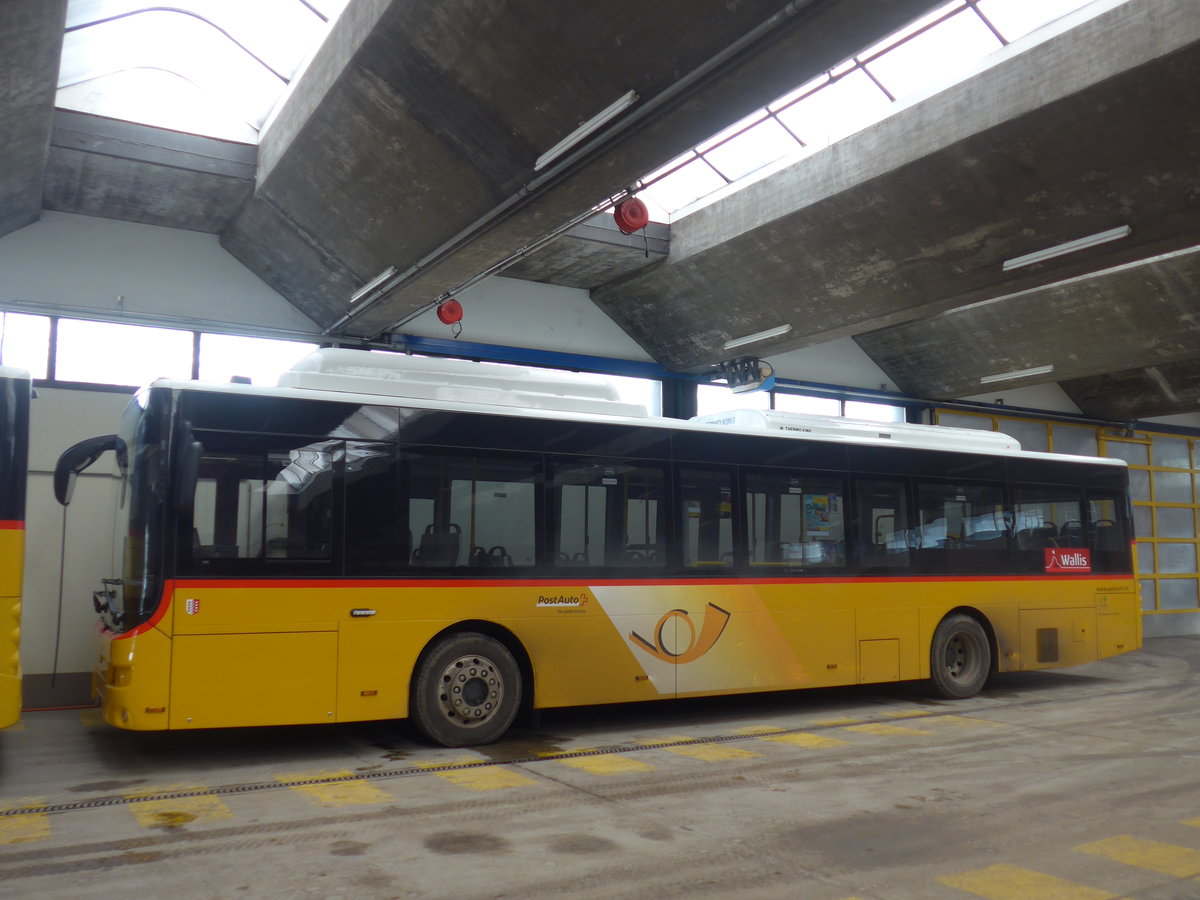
x,y
930,54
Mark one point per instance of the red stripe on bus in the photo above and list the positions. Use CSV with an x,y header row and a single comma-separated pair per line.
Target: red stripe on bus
x,y
197,584
12,524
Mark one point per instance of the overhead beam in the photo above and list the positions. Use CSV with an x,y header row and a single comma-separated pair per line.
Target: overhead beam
x,y
1084,132
412,131
1076,326
30,47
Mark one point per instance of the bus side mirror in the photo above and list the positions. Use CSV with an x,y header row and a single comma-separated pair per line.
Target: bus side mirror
x,y
188,474
75,459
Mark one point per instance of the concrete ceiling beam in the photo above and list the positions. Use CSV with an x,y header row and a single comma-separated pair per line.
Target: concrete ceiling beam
x,y
30,47
1087,131
420,119
1070,326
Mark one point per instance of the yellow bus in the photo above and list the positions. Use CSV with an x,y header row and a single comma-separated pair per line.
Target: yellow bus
x,y
15,391
387,537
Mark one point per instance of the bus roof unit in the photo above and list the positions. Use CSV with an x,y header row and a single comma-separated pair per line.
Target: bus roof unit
x,y
928,437
455,381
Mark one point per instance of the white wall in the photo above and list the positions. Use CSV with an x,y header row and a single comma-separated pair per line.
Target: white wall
x,y
89,263
518,313
1050,397
59,418
840,362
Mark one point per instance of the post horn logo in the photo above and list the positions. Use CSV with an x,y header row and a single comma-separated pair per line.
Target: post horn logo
x,y
677,652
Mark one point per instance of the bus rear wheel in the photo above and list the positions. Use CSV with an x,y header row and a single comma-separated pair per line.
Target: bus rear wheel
x,y
467,691
960,658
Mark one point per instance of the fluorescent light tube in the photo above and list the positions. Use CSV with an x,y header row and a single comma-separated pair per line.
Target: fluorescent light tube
x,y
1019,373
1083,243
596,122
372,285
778,331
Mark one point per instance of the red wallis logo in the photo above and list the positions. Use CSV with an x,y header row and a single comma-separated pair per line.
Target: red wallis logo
x,y
1068,559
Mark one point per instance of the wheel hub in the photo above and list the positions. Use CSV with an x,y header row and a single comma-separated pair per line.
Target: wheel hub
x,y
471,691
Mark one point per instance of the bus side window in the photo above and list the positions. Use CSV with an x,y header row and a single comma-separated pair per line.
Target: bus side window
x,y
884,538
706,500
377,535
1045,517
962,528
795,521
274,503
471,509
606,513
1107,531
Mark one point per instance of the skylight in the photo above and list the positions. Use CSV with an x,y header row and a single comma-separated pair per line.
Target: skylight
x,y
210,67
932,53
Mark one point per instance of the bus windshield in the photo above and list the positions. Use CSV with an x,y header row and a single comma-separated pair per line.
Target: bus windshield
x,y
134,590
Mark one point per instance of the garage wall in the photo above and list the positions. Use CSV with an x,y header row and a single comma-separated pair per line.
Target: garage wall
x,y
58,626
105,266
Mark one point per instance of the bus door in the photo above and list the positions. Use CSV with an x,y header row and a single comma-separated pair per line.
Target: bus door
x,y
254,638
608,529
796,528
886,617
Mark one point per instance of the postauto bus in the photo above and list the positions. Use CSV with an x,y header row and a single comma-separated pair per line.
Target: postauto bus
x,y
382,537
15,391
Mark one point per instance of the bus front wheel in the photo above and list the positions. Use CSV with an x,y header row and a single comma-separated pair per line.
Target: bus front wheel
x,y
960,657
467,691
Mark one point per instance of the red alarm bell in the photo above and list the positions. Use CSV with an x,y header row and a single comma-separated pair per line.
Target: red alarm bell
x,y
631,215
450,312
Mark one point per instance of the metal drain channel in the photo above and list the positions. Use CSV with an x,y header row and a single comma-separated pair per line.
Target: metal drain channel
x,y
407,771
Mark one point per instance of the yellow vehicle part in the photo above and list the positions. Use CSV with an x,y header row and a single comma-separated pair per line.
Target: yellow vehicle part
x,y
248,653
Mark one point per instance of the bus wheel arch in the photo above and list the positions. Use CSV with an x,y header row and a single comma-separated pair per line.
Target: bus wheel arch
x,y
962,653
469,683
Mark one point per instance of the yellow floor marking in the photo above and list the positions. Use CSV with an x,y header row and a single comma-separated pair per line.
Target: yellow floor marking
x,y
178,812
479,778
755,730
909,714
834,722
24,827
966,721
487,778
1170,859
607,764
797,739
351,792
805,739
1195,823
704,752
886,730
1011,883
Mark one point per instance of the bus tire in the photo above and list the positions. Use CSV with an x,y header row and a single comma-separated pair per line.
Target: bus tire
x,y
467,691
960,657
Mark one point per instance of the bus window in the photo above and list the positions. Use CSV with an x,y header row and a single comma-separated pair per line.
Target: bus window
x,y
962,528
706,498
377,535
1045,518
1108,531
795,522
273,503
883,532
607,514
470,510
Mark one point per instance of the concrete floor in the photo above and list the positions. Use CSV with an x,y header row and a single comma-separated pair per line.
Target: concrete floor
x,y
1078,784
